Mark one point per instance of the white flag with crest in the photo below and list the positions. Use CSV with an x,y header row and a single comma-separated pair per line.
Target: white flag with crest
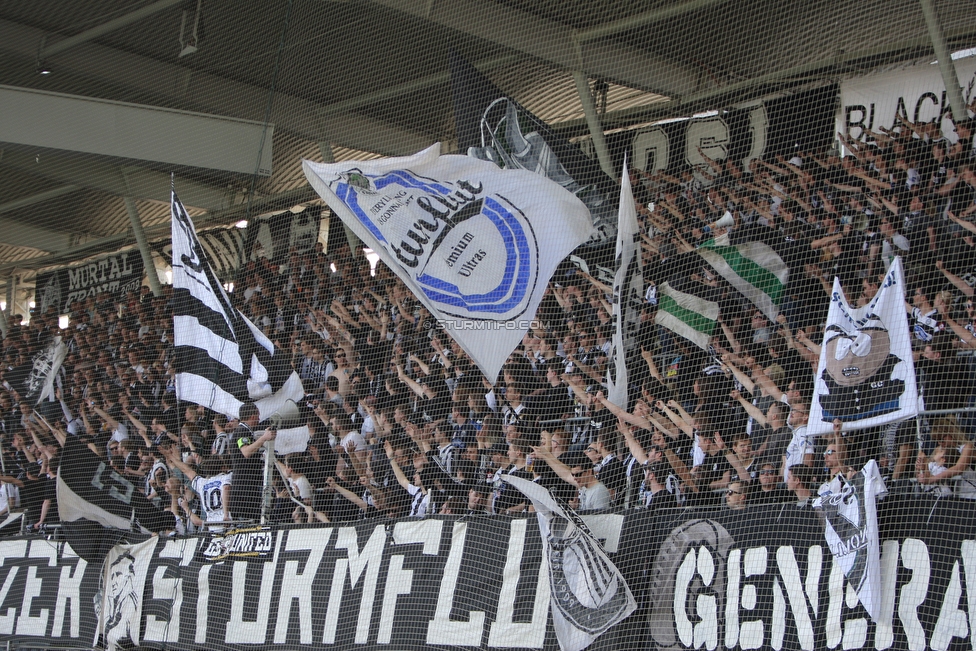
x,y
588,594
475,243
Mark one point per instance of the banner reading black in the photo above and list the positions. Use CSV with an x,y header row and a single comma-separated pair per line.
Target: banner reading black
x,y
115,274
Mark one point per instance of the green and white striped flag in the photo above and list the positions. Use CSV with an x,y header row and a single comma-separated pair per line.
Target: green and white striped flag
x,y
753,268
687,315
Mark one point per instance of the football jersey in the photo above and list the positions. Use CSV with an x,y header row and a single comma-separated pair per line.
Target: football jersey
x,y
211,498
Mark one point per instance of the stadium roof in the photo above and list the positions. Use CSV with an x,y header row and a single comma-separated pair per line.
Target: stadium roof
x,y
362,79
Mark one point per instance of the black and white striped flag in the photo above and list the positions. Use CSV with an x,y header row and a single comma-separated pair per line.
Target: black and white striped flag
x,y
222,359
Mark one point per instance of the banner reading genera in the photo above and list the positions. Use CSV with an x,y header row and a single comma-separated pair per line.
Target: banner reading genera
x,y
761,578
115,274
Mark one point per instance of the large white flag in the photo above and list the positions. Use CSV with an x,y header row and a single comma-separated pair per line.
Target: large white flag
x,y
475,243
628,294
866,375
588,592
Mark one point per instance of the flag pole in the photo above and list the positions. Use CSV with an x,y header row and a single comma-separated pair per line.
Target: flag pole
x,y
267,493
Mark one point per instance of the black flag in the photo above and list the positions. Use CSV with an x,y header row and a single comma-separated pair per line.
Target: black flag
x,y
90,489
491,125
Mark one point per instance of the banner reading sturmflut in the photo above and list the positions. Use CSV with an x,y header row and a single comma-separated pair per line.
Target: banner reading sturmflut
x,y
475,243
866,375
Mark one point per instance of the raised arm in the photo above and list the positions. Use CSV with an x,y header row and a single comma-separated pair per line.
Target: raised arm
x,y
651,365
685,427
560,468
730,336
958,282
348,494
768,386
250,449
750,408
739,374
397,472
965,335
636,449
733,460
173,460
112,423
680,467
622,413
410,382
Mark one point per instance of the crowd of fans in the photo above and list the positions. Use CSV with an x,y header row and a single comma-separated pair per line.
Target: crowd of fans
x,y
403,424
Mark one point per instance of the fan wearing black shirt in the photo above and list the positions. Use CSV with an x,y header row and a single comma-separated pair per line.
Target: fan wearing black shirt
x,y
247,487
555,402
710,472
609,469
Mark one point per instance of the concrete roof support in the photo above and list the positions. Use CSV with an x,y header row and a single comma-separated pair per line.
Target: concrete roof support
x,y
89,34
554,43
215,94
132,131
91,173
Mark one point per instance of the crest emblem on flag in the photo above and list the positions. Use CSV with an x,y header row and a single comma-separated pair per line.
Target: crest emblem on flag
x,y
473,252
463,235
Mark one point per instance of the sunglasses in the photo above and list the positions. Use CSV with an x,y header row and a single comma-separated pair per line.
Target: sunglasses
x,y
827,453
732,492
767,472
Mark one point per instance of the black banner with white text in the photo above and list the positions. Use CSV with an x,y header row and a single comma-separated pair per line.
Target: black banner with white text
x,y
762,578
114,274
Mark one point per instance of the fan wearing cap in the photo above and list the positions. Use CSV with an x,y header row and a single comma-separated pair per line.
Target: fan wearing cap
x,y
862,378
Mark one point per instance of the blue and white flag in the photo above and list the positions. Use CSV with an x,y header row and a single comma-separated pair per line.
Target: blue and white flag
x,y
866,375
628,294
475,243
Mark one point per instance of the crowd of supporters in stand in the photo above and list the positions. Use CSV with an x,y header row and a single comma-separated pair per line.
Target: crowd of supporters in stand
x,y
403,424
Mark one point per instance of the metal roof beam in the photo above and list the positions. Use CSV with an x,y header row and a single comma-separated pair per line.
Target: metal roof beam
x,y
554,43
40,197
18,233
214,94
133,131
113,242
105,28
89,172
916,47
646,18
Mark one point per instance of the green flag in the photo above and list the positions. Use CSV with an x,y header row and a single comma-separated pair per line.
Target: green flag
x,y
687,315
753,268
